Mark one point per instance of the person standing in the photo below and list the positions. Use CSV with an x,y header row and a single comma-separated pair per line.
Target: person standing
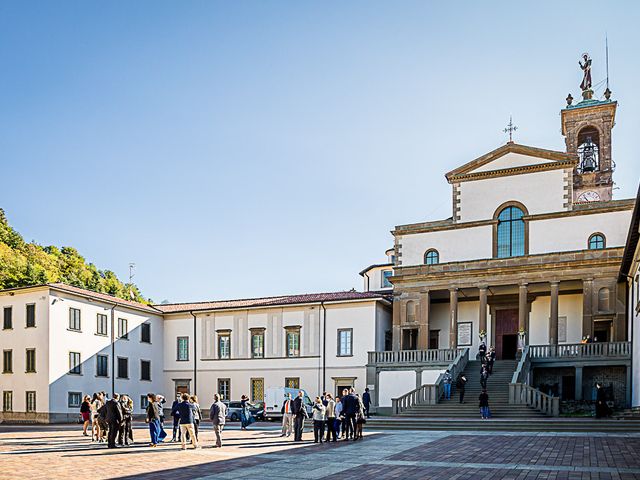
x,y
482,350
484,376
197,414
176,419
366,401
319,418
339,418
287,416
246,417
85,412
187,412
96,403
350,410
491,356
153,419
446,381
114,419
331,418
483,402
462,381
126,432
299,411
217,414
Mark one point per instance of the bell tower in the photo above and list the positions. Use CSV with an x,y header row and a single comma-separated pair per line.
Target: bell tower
x,y
586,127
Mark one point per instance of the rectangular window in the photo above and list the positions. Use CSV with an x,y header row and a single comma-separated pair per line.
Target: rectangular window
x,y
123,367
145,370
386,274
30,360
144,402
292,382
7,322
31,315
7,361
145,333
7,401
257,343
74,319
102,365
183,349
75,365
257,389
224,388
224,345
345,342
123,328
31,401
101,324
74,399
293,342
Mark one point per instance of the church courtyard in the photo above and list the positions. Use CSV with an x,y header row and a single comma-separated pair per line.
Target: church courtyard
x,y
56,451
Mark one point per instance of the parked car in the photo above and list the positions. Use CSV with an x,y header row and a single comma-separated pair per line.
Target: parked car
x,y
274,398
234,408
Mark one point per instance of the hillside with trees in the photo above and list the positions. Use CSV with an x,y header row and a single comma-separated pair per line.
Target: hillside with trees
x,y
23,264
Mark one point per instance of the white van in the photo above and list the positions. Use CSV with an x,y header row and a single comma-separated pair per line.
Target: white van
x,y
274,399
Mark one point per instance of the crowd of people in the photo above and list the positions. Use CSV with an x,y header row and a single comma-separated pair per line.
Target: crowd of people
x,y
111,419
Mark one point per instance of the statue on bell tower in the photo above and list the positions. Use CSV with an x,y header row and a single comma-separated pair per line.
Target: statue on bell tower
x,y
586,68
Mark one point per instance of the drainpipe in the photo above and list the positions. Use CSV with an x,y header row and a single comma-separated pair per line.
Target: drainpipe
x,y
324,347
195,356
113,350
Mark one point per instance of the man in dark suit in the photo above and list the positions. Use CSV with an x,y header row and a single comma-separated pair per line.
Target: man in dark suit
x,y
299,411
351,404
176,419
366,401
114,419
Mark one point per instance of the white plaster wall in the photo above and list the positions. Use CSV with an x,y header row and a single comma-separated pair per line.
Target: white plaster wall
x,y
384,323
374,281
572,233
429,377
569,306
393,384
89,344
540,192
511,160
635,318
439,320
453,245
18,339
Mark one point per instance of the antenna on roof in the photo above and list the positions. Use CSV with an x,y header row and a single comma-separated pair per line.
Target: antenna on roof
x,y
132,267
607,92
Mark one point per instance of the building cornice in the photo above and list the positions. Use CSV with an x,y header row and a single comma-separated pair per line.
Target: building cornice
x,y
583,209
508,172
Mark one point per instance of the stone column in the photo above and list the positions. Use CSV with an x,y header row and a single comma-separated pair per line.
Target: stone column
x,y
453,317
587,307
578,383
523,313
553,314
396,332
423,331
482,313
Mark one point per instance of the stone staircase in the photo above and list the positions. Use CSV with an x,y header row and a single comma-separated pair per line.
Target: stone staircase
x,y
497,388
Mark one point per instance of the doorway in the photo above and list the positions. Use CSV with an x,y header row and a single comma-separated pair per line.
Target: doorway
x,y
410,339
434,339
506,334
602,331
182,386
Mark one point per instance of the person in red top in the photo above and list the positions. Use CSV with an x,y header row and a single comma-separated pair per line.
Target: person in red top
x,y
287,416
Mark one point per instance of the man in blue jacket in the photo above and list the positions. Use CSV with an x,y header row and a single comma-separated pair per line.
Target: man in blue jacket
x,y
176,419
187,411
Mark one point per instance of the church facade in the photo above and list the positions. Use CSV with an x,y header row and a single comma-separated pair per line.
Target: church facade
x,y
530,257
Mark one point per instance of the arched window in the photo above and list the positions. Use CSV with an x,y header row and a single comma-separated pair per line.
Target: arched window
x,y
431,257
511,233
603,299
597,241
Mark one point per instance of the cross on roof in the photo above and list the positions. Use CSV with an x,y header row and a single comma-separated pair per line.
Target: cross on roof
x,y
510,129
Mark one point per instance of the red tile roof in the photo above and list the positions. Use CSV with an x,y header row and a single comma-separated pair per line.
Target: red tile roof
x,y
63,287
270,301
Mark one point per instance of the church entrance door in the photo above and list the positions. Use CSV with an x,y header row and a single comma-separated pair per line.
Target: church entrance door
x,y
506,334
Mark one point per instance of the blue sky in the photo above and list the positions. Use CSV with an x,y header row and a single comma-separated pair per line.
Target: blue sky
x,y
237,149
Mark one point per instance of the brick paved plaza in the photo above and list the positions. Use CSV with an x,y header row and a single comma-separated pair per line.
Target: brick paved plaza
x,y
260,453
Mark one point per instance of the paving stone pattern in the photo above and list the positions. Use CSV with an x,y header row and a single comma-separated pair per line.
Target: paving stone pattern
x,y
61,452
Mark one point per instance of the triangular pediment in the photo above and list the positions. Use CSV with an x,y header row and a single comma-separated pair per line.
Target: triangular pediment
x,y
511,157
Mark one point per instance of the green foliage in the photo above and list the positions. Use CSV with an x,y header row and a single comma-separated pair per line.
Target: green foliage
x,y
23,264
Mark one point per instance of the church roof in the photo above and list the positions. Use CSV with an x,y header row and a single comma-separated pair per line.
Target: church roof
x,y
556,160
283,300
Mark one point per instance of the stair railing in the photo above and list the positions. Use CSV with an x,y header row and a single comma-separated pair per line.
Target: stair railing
x,y
429,394
521,393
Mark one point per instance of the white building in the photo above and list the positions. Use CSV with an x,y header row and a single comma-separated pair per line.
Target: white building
x,y
61,342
